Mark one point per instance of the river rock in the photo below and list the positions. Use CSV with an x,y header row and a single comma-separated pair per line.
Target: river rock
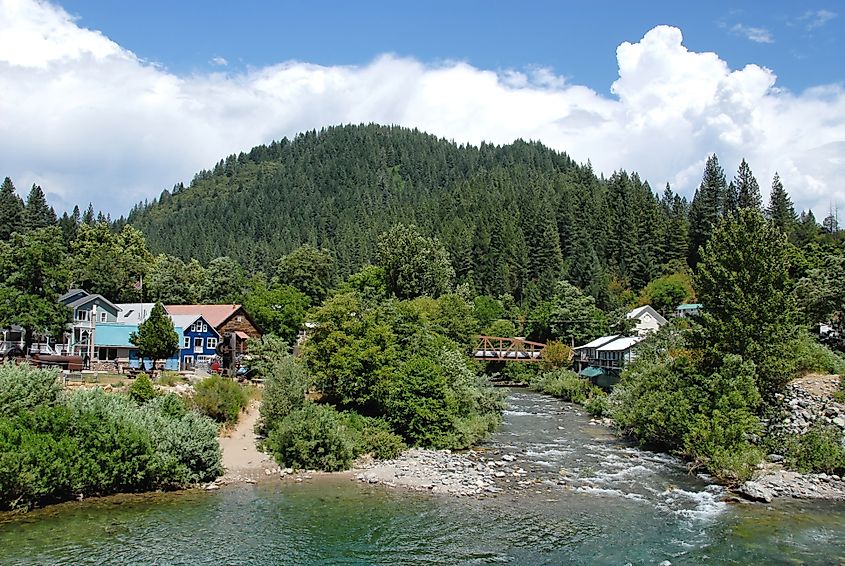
x,y
755,491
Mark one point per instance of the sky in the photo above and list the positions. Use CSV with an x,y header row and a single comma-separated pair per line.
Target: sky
x,y
112,102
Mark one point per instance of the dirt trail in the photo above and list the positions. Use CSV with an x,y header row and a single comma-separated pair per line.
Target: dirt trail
x,y
241,458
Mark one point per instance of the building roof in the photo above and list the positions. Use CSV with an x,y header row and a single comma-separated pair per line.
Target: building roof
x,y
591,371
598,342
621,344
639,311
111,334
688,306
71,293
88,298
186,320
215,315
134,313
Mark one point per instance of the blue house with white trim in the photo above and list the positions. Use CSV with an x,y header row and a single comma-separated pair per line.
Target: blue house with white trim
x,y
112,347
198,340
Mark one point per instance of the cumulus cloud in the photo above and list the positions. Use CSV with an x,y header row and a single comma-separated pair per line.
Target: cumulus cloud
x,y
88,120
755,34
219,61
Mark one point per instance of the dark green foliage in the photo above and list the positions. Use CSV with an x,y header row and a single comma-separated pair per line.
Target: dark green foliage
x,y
33,275
11,210
156,338
93,443
220,399
811,356
708,205
570,315
781,212
37,213
819,450
668,400
748,191
373,436
667,292
225,283
276,309
418,405
109,263
743,283
142,389
312,437
821,292
174,282
566,385
414,264
285,385
307,269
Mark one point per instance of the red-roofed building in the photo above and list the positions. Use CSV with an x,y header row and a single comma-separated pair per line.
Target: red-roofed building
x,y
224,318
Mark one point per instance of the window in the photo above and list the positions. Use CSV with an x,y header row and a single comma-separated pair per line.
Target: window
x,y
186,343
82,315
104,354
239,318
189,360
204,327
104,316
198,344
210,343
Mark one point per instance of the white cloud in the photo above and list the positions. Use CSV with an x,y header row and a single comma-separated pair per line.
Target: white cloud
x,y
755,34
89,120
219,61
814,19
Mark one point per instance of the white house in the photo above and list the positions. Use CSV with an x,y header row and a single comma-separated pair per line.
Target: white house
x,y
648,320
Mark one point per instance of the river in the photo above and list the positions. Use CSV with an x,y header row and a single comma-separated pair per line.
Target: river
x,y
591,499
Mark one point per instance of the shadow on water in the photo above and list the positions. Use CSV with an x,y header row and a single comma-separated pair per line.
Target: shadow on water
x,y
595,500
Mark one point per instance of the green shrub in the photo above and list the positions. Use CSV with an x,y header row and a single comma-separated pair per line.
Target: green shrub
x,y
372,436
220,399
597,405
420,406
812,356
565,384
94,443
24,387
142,389
818,450
285,386
312,437
170,378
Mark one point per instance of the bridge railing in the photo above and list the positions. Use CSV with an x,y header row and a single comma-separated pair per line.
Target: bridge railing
x,y
507,349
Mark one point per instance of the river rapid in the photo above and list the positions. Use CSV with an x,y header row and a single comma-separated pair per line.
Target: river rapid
x,y
587,498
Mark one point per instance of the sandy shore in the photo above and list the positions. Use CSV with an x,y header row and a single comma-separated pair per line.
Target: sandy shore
x,y
241,458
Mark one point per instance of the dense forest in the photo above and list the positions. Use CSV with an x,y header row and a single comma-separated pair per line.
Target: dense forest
x,y
513,218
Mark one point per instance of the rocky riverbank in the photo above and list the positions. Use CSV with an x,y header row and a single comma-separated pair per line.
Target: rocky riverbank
x,y
805,402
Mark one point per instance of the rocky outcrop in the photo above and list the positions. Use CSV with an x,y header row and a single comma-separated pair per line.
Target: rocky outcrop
x,y
777,482
807,401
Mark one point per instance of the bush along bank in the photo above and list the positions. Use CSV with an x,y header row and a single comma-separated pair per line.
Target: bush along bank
x,y
388,375
568,386
57,445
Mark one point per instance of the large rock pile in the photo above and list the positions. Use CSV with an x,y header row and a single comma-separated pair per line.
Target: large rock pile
x,y
806,401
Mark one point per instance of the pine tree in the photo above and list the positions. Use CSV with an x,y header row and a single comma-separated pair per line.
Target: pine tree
x,y
11,210
88,215
731,199
748,191
708,205
780,210
156,338
37,214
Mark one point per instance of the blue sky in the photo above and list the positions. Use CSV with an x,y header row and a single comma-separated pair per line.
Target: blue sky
x,y
112,102
803,42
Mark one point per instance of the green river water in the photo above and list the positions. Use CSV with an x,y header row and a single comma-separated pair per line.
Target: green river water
x,y
617,505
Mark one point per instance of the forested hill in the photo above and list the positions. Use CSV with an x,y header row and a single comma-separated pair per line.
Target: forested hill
x,y
514,218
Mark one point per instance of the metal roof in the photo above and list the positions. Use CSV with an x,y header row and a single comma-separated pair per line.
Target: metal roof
x,y
591,372
688,306
638,312
598,342
215,315
621,344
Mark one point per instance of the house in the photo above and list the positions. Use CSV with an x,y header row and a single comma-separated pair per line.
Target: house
x,y
226,320
648,320
89,310
134,313
198,340
687,310
602,360
113,350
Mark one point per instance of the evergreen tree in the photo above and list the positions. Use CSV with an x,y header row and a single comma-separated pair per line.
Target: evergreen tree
x,y
731,199
308,269
780,210
11,210
743,283
807,230
37,214
748,191
707,207
88,216
156,338
414,264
